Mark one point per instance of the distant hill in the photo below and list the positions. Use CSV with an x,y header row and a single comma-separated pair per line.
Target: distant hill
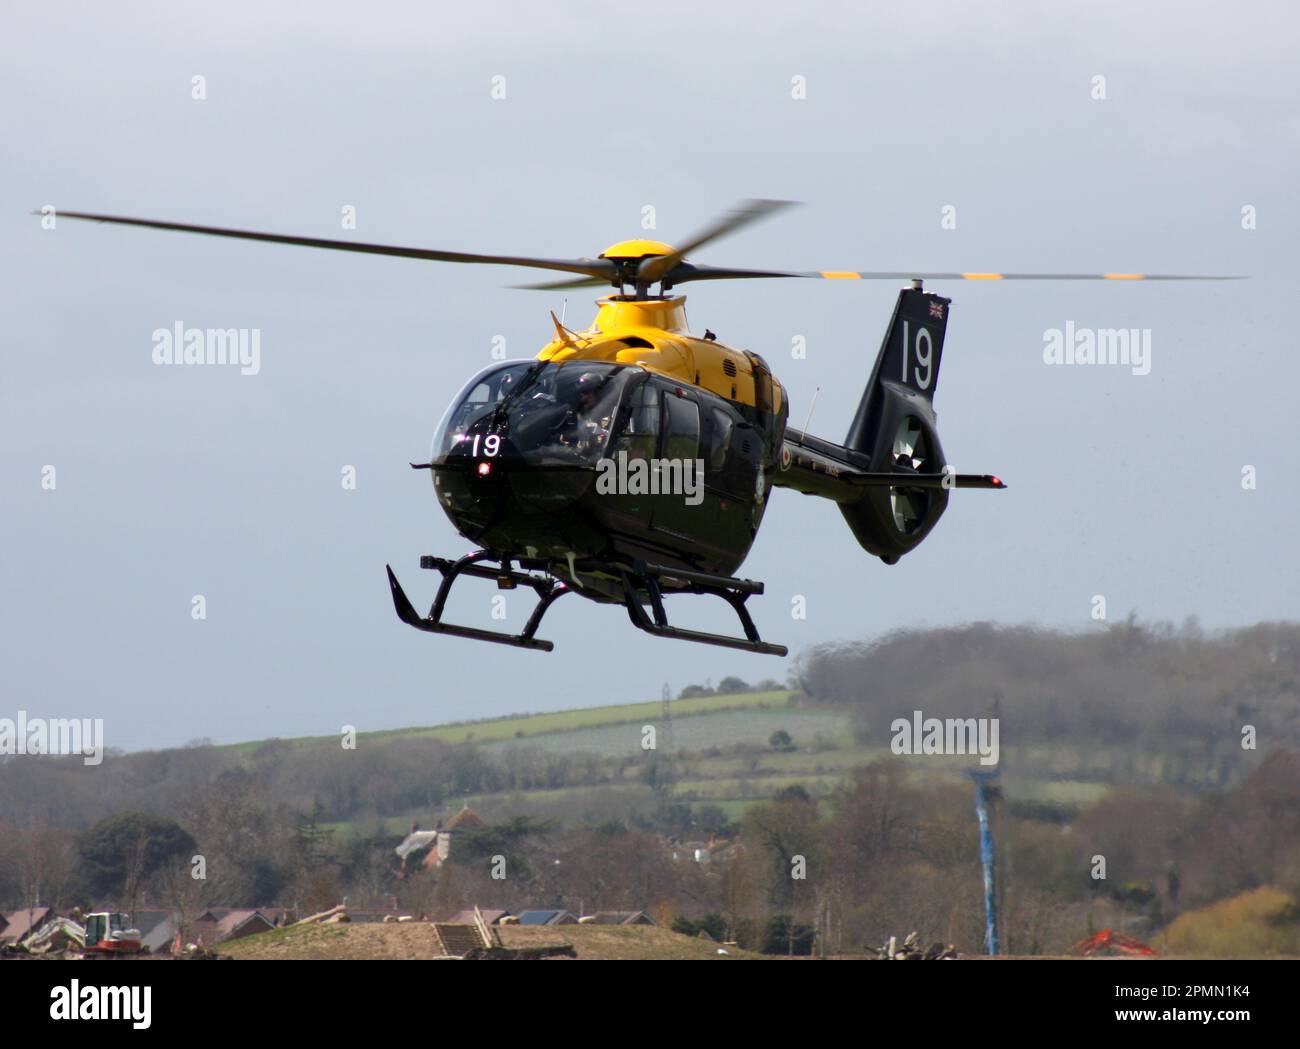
x,y
526,726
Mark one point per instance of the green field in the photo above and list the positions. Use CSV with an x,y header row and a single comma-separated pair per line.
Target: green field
x,y
528,726
693,732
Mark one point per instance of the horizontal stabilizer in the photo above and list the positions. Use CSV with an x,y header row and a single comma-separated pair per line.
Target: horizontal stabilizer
x,y
929,480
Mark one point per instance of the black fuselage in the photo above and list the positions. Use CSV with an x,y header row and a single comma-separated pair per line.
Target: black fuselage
x,y
563,465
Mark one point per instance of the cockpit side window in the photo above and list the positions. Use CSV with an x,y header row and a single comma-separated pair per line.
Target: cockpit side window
x,y
639,438
683,441
719,439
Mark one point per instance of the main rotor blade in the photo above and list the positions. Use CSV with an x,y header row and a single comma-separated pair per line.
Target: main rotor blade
x,y
901,275
596,272
686,271
593,268
562,285
654,267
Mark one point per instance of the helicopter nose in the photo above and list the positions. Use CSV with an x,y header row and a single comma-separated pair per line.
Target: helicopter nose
x,y
494,489
549,490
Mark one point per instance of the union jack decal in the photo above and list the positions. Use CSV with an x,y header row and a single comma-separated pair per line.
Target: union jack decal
x,y
936,310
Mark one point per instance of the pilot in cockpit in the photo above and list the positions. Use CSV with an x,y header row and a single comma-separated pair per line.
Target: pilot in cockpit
x,y
580,427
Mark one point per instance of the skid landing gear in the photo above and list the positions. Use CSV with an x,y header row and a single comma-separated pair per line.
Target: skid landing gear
x,y
548,592
641,576
641,586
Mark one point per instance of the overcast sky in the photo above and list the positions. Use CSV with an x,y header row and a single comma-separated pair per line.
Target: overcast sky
x,y
175,482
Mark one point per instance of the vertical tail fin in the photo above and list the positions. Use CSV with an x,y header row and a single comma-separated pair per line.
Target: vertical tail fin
x,y
895,428
907,367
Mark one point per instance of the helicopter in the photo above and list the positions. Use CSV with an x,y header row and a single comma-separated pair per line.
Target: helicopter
x,y
632,460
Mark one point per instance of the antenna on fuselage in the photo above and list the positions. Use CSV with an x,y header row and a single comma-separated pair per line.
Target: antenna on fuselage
x,y
811,406
567,336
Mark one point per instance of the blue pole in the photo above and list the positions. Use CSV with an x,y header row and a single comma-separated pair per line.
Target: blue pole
x,y
987,859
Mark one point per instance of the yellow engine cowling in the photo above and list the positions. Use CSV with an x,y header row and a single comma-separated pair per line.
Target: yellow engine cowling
x,y
653,334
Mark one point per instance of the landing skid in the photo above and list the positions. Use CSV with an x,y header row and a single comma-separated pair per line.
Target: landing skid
x,y
548,592
637,577
642,576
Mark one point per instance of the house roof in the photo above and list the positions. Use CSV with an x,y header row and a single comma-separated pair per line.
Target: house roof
x,y
213,914
20,923
622,918
236,920
228,921
157,928
146,921
551,917
465,819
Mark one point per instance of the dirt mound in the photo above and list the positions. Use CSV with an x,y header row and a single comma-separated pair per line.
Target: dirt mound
x,y
416,940
407,940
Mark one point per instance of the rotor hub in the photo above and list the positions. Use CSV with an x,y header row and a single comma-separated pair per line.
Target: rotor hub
x,y
629,257
635,249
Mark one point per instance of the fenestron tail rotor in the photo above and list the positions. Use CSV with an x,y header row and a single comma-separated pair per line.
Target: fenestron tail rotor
x,y
639,264
911,453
